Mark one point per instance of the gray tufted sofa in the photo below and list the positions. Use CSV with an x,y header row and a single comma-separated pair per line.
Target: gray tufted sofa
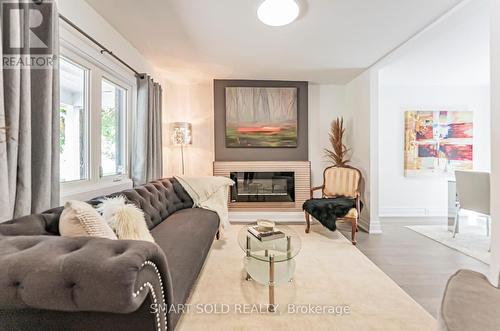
x,y
49,282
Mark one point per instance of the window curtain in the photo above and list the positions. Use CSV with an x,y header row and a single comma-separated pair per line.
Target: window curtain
x,y
147,158
29,109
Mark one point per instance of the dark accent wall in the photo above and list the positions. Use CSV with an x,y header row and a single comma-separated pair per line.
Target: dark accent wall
x,y
299,153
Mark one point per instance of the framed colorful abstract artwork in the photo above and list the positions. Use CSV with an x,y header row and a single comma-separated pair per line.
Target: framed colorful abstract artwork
x,y
261,117
438,142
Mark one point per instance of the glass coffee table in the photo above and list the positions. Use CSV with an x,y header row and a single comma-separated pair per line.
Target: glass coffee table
x,y
270,262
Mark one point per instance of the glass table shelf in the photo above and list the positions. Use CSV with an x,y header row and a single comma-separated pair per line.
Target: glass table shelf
x,y
270,262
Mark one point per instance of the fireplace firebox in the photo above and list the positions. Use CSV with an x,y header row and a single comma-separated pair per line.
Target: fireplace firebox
x,y
252,186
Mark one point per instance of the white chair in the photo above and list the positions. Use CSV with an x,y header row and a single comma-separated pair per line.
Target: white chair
x,y
473,191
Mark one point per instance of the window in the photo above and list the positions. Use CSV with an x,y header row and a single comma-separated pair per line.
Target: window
x,y
94,107
112,129
74,122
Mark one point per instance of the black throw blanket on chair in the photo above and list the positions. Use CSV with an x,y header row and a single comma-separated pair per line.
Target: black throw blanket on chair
x,y
326,211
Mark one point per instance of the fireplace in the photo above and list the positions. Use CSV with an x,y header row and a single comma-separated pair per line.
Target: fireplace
x,y
266,186
263,186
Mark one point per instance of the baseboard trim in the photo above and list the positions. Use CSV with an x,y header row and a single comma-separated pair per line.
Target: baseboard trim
x,y
364,225
375,227
413,212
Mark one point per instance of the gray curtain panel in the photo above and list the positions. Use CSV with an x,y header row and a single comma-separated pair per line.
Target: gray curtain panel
x,y
29,113
147,159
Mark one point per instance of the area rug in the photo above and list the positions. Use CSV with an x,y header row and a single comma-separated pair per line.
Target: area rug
x,y
471,241
335,287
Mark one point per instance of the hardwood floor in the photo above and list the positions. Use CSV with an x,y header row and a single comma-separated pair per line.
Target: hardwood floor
x,y
419,265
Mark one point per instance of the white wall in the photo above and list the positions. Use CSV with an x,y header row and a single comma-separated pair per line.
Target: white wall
x,y
360,97
326,103
421,196
87,19
192,101
444,68
353,103
189,101
495,141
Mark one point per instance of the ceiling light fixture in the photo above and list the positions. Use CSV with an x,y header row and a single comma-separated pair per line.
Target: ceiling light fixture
x,y
278,12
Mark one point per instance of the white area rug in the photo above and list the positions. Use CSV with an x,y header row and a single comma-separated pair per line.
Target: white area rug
x,y
330,271
471,240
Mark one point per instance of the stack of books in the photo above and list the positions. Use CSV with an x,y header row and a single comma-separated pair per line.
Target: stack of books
x,y
265,235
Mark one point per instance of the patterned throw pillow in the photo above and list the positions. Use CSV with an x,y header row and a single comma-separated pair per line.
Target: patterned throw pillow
x,y
79,219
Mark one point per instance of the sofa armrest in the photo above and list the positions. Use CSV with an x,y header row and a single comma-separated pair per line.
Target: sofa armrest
x,y
82,274
470,302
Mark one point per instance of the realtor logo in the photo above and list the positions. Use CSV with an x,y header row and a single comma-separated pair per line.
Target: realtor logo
x,y
27,33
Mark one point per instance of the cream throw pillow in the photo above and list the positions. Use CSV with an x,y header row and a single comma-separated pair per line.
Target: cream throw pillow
x,y
79,219
128,223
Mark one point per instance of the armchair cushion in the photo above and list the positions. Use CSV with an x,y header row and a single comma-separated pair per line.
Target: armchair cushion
x,y
326,211
352,213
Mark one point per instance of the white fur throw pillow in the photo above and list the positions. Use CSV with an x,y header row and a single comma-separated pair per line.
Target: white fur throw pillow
x,y
109,206
128,223
79,219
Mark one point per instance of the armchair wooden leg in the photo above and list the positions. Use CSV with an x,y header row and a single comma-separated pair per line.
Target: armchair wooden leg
x,y
354,230
217,235
308,222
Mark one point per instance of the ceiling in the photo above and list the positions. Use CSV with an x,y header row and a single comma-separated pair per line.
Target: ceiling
x,y
456,51
331,42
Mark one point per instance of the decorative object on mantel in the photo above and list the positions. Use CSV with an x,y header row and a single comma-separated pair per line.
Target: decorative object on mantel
x,y
338,153
261,117
181,133
438,142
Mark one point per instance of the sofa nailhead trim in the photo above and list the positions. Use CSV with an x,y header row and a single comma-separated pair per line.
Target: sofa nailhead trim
x,y
153,294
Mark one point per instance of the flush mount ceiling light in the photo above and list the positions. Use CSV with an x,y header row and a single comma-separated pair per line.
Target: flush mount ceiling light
x,y
278,12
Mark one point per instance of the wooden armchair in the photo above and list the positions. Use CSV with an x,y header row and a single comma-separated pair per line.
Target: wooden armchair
x,y
340,182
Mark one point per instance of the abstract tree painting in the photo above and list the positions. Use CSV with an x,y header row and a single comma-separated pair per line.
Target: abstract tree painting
x,y
438,142
261,117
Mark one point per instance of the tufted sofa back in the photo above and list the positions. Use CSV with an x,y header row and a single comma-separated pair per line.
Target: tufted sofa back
x,y
158,200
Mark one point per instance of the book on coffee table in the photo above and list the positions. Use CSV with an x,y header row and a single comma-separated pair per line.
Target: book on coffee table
x,y
265,235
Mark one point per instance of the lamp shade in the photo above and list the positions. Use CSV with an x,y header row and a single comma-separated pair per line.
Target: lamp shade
x,y
181,133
